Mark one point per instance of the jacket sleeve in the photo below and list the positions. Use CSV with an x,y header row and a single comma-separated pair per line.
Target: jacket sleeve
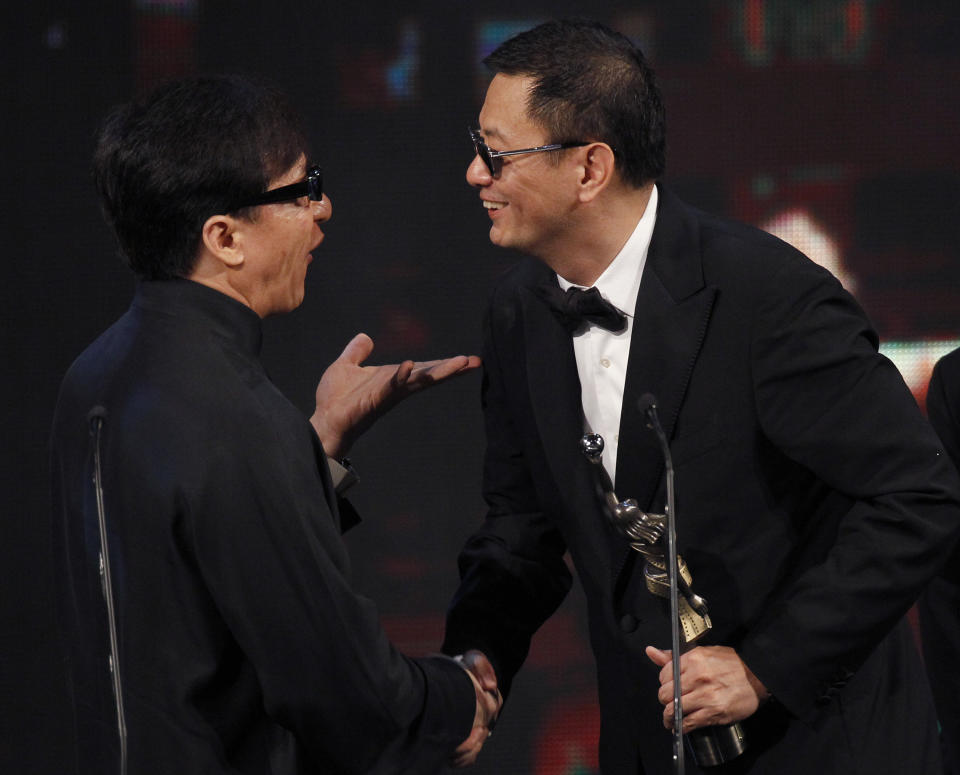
x,y
270,553
830,402
512,570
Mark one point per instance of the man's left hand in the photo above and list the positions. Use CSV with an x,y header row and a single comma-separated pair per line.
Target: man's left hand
x,y
350,396
717,686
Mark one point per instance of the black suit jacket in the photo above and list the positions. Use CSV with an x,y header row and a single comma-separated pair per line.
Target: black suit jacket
x,y
243,647
813,502
940,605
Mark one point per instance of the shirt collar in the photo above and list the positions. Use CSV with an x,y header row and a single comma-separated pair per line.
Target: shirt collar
x,y
620,281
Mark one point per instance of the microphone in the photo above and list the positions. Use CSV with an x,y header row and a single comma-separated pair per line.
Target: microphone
x,y
98,413
647,404
710,746
97,418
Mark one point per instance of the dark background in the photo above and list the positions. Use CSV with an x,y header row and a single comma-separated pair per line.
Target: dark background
x,y
835,123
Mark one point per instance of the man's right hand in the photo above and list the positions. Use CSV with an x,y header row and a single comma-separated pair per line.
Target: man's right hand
x,y
351,396
489,702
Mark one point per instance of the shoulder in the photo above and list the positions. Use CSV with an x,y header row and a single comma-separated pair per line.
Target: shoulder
x,y
738,247
513,287
526,273
688,241
160,378
947,370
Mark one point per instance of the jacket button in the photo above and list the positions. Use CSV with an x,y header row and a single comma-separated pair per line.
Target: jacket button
x,y
628,622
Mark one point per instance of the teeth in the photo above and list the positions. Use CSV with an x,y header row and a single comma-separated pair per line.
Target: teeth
x,y
493,205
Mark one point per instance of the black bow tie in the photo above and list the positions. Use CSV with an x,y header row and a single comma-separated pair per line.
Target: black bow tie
x,y
576,306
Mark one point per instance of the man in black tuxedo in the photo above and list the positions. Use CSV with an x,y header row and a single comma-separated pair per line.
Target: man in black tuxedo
x,y
940,605
813,503
208,615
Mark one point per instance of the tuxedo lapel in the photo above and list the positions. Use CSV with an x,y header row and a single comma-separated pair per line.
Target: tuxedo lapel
x,y
554,389
670,321
662,356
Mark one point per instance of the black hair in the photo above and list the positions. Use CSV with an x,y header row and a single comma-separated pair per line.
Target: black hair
x,y
190,149
591,83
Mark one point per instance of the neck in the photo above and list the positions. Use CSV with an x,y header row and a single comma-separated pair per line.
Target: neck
x,y
606,225
212,273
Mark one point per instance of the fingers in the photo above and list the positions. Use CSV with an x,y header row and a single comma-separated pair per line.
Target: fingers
x,y
659,657
414,376
482,669
693,718
488,700
430,372
358,349
491,702
488,705
696,719
468,751
663,658
403,372
472,362
716,687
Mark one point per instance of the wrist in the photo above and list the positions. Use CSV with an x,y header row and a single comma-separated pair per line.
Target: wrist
x,y
331,442
763,694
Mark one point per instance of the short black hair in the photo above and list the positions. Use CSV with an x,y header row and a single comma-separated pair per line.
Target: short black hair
x,y
591,83
190,149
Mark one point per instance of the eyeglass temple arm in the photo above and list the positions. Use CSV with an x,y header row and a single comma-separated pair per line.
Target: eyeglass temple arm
x,y
551,147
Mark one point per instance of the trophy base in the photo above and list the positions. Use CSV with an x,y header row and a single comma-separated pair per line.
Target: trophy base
x,y
711,746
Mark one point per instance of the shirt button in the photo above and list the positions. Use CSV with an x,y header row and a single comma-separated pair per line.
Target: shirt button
x,y
605,362
616,437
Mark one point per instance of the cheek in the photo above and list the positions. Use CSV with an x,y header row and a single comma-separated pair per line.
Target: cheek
x,y
531,196
300,241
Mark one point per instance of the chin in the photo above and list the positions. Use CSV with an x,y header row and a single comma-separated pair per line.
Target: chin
x,y
289,305
498,237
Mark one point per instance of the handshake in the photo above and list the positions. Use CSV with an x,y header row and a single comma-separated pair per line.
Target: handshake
x,y
489,702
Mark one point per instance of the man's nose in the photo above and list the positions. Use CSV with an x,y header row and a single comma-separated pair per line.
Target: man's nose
x,y
477,172
323,209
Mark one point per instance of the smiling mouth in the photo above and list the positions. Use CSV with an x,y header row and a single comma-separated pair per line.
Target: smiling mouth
x,y
493,205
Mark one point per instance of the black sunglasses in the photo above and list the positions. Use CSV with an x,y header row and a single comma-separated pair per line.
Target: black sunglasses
x,y
493,159
311,187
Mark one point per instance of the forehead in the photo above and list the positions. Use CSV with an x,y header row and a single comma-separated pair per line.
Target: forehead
x,y
296,173
503,118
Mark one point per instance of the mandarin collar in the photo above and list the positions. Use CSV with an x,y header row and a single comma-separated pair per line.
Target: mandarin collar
x,y
187,299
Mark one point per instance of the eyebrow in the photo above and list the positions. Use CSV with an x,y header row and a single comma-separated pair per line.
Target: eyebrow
x,y
492,133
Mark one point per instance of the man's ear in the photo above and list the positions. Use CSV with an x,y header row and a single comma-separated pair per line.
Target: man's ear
x,y
596,171
221,239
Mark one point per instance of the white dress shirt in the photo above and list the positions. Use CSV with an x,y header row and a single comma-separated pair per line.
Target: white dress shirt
x,y
602,355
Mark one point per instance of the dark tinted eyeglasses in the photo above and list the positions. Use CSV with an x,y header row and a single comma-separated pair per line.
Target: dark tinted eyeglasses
x,y
311,186
493,159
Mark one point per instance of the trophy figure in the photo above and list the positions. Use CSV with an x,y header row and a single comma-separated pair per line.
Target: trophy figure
x,y
645,532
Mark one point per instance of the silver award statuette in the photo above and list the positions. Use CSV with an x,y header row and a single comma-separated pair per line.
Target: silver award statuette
x,y
644,532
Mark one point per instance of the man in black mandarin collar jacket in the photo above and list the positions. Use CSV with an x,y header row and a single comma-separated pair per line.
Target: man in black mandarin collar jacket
x,y
814,502
205,596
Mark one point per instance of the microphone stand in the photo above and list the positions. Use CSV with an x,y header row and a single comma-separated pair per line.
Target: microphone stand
x,y
672,572
709,746
97,417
